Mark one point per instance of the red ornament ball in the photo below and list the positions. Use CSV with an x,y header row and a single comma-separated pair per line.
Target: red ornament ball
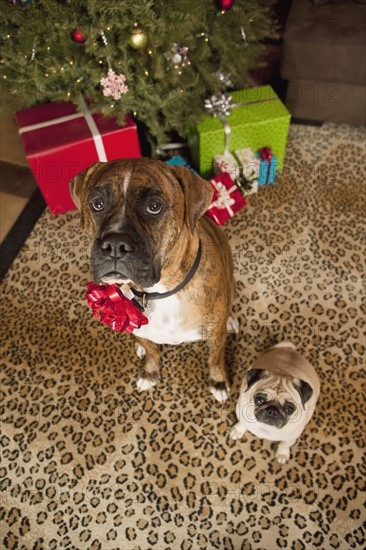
x,y
78,36
224,5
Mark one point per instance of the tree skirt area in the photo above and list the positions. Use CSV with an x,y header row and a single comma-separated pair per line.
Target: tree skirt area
x,y
88,462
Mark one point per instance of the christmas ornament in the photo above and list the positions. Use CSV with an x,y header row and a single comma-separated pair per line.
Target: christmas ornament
x,y
104,38
138,38
243,35
22,3
114,84
114,309
224,5
78,36
224,79
180,56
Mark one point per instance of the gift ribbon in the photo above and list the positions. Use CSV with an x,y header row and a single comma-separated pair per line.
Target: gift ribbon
x,y
97,138
160,150
265,153
240,165
221,106
114,308
242,181
224,200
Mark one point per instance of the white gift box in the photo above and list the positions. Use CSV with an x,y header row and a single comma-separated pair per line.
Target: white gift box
x,y
242,165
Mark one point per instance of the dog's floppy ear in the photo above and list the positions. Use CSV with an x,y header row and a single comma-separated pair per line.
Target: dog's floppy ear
x,y
78,184
197,194
253,375
305,391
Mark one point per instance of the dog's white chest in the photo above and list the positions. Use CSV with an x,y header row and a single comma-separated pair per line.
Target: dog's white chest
x,y
165,324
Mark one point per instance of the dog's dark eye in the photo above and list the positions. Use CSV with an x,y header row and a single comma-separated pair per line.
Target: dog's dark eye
x,y
259,399
289,408
97,203
154,206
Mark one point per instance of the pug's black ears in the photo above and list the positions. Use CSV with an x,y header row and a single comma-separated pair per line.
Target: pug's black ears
x,y
253,375
305,391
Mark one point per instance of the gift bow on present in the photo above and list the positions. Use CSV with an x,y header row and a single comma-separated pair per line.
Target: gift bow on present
x,y
224,199
114,309
244,182
219,105
265,153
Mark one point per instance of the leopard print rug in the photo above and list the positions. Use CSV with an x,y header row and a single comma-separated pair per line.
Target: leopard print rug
x,y
87,462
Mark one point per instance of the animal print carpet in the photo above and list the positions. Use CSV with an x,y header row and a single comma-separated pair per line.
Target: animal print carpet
x,y
89,463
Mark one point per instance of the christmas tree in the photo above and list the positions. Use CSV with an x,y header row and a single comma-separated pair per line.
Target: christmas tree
x,y
156,59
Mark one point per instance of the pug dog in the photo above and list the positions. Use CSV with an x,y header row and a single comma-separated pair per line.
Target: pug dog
x,y
277,398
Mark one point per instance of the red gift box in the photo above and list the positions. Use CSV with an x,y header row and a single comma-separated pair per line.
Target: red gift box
x,y
60,142
226,200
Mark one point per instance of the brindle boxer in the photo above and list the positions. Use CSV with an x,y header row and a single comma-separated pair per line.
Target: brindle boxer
x,y
144,219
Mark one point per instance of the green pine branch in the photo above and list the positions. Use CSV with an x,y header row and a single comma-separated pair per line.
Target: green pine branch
x,y
40,62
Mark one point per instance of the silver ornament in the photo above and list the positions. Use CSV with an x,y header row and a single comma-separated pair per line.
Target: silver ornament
x,y
224,79
104,38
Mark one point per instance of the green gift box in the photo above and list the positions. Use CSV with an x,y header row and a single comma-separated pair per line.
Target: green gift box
x,y
259,120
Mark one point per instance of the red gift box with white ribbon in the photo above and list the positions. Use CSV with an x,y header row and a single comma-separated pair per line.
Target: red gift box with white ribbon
x,y
226,200
60,142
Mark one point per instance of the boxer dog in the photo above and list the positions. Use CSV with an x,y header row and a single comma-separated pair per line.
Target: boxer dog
x,y
144,221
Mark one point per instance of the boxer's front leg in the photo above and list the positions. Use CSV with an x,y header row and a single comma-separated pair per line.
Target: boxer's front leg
x,y
219,380
150,372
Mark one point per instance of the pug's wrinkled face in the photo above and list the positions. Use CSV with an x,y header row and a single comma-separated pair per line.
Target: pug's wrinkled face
x,y
273,409
277,399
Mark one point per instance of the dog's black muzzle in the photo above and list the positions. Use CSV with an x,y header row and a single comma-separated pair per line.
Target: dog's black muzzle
x,y
271,415
116,245
121,256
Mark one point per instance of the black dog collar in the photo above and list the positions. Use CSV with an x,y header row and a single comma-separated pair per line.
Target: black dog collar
x,y
147,296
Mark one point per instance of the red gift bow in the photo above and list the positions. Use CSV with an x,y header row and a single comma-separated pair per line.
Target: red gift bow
x,y
265,153
114,309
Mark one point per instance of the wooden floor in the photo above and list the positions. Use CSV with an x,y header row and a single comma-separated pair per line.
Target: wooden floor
x,y
17,185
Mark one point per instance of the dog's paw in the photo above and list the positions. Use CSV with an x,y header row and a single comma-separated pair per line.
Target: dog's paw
x,y
219,391
281,459
237,432
232,325
282,453
140,351
144,384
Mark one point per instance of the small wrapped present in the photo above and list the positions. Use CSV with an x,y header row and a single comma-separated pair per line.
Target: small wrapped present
x,y
60,142
268,166
226,200
179,161
246,118
243,168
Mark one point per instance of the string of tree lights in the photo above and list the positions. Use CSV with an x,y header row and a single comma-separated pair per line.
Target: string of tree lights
x,y
156,59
